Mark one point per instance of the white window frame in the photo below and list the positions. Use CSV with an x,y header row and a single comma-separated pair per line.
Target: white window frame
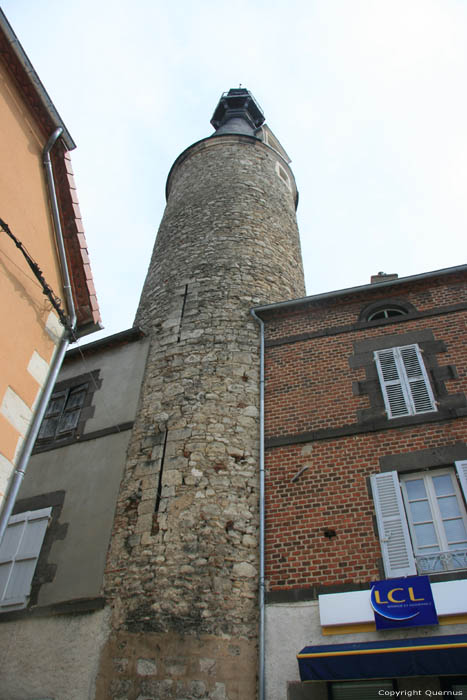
x,y
393,526
404,381
432,500
386,312
19,552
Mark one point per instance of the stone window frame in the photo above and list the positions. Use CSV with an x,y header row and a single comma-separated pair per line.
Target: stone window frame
x,y
375,416
92,382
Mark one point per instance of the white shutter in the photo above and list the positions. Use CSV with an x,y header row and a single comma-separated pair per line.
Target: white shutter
x,y
404,381
396,546
417,379
462,472
19,552
395,398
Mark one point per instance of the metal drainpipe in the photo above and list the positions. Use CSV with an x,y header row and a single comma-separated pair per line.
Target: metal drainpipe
x,y
59,353
261,673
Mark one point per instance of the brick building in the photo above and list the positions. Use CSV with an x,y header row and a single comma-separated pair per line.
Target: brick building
x,y
366,480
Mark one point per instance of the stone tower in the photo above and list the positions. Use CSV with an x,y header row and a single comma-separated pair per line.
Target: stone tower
x,y
182,570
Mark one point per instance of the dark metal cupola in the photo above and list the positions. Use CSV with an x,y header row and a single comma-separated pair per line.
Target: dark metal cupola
x,y
237,113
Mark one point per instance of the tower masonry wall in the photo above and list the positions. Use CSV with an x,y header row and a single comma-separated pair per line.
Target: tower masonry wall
x,y
183,561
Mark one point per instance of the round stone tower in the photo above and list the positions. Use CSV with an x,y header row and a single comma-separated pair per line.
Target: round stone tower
x,y
183,563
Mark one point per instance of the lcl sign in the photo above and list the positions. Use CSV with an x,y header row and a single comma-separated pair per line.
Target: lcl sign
x,y
403,602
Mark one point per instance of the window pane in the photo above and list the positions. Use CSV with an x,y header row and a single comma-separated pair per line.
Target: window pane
x,y
56,404
448,506
455,531
386,313
415,489
69,421
421,512
425,535
48,428
443,485
76,398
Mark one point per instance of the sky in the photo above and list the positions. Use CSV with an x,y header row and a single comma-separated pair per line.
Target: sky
x,y
368,98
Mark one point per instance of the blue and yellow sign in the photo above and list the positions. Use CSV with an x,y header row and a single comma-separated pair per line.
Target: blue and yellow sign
x,y
403,602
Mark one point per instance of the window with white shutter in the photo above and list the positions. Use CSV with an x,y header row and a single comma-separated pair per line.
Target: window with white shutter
x,y
404,381
429,535
396,546
19,552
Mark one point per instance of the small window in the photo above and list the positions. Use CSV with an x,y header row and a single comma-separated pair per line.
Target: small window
x,y
282,173
63,413
404,381
388,312
19,552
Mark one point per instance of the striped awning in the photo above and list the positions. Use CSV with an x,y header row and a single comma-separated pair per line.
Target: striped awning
x,y
393,658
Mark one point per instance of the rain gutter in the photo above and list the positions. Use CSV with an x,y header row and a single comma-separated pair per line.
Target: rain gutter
x,y
261,671
59,354
362,288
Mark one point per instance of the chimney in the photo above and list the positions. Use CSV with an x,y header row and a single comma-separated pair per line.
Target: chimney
x,y
383,277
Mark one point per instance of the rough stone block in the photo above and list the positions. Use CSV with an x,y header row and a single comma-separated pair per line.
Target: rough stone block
x,y
146,667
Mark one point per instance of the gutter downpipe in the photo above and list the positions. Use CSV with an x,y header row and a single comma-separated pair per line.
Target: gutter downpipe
x,y
261,669
59,354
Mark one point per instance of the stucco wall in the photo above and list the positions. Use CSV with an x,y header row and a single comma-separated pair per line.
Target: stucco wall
x,y
89,473
64,668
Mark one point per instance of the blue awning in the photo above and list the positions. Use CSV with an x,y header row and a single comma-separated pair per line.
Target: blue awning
x,y
393,658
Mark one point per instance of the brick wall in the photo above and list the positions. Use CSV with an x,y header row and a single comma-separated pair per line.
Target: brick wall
x,y
320,528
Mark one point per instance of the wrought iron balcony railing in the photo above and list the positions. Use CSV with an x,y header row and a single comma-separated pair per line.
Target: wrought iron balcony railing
x,y
435,562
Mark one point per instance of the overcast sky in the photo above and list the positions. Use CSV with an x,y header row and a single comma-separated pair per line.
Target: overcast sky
x,y
368,97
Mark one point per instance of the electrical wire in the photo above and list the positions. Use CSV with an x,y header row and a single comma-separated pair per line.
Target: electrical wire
x,y
46,289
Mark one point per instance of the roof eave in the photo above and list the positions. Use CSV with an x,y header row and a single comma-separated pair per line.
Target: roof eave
x,y
303,301
31,74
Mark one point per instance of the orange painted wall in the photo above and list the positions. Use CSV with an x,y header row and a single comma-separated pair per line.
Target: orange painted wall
x,y
24,207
